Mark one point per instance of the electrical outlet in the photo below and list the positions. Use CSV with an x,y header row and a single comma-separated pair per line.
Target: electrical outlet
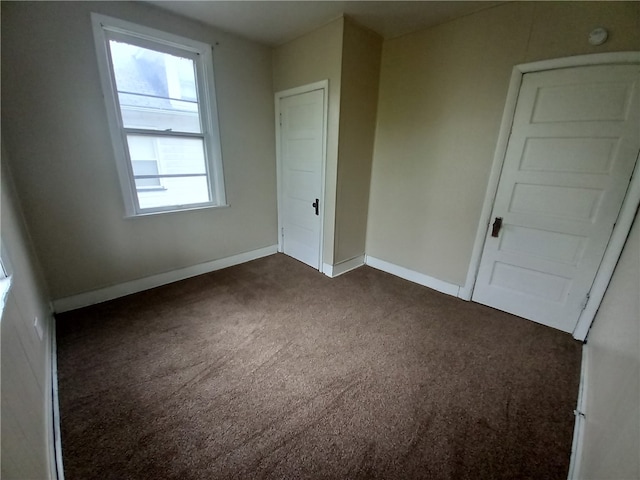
x,y
38,326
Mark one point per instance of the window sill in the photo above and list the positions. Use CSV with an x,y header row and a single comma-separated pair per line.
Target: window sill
x,y
163,212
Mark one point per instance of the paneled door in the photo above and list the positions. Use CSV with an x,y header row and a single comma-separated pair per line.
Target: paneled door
x,y
573,147
300,175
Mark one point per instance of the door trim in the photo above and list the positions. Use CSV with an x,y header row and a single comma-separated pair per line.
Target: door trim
x,y
627,211
321,85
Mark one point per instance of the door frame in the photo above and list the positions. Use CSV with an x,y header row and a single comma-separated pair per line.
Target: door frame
x,y
627,211
321,85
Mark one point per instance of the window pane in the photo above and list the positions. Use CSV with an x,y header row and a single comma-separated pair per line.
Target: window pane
x,y
174,155
156,90
167,155
146,167
175,191
142,147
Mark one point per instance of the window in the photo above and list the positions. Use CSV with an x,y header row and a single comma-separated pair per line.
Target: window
x,y
161,108
5,278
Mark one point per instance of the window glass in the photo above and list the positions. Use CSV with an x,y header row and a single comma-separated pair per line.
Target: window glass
x,y
175,191
155,90
175,155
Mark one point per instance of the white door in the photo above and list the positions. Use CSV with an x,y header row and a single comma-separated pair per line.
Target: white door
x,y
573,146
301,162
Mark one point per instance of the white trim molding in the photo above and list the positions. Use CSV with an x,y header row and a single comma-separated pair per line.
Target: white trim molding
x,y
413,276
343,267
628,208
611,256
115,291
54,422
324,86
579,412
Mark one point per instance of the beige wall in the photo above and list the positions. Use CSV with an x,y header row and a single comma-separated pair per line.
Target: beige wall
x,y
442,93
358,105
314,57
25,358
55,128
612,388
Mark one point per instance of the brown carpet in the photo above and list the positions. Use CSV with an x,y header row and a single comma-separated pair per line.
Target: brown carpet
x,y
272,370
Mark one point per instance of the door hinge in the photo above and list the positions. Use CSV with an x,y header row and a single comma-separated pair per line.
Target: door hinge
x,y
282,233
586,300
280,119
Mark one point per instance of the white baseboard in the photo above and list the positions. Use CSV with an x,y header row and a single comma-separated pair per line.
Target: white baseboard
x,y
55,436
343,267
115,291
465,292
578,429
413,276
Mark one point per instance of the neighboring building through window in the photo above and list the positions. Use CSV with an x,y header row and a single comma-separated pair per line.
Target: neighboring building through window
x,y
160,100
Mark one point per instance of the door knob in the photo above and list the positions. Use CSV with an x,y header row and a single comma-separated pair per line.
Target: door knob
x,y
497,225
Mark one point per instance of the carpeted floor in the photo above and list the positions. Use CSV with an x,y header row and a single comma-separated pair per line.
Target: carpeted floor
x,y
272,370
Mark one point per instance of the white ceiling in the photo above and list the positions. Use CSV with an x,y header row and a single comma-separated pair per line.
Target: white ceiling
x,y
277,22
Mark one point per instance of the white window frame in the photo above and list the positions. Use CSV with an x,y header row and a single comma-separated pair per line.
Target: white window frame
x,y
105,27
